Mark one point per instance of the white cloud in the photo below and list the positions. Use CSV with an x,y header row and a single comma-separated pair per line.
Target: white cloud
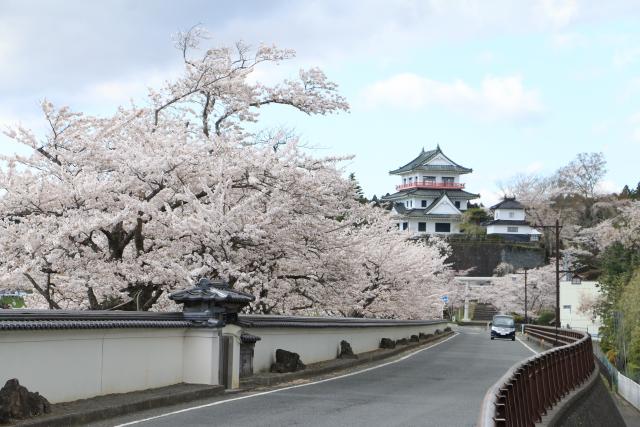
x,y
559,13
120,91
497,98
607,187
534,167
626,56
567,40
490,197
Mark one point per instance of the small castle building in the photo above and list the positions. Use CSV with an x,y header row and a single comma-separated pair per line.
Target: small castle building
x,y
510,222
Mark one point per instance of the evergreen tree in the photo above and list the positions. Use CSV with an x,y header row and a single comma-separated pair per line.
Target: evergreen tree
x,y
358,189
626,193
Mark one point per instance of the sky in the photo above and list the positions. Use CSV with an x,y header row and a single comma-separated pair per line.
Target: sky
x,y
504,87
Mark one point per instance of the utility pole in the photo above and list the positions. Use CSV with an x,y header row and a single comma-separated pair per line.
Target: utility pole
x,y
557,228
525,297
557,278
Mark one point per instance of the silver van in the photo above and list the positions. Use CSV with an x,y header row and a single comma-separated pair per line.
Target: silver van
x,y
503,326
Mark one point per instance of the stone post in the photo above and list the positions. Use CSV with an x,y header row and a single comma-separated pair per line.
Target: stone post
x,y
466,303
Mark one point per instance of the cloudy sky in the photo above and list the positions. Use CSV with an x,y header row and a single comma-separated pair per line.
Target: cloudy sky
x,y
503,86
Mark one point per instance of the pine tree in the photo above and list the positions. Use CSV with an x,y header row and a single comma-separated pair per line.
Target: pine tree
x,y
358,189
626,193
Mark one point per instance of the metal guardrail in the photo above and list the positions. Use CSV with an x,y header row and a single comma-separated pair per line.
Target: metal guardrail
x,y
530,388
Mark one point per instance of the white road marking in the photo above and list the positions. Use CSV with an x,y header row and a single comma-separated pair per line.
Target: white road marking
x,y
220,402
522,342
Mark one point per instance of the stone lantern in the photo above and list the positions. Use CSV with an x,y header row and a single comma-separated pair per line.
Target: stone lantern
x,y
211,303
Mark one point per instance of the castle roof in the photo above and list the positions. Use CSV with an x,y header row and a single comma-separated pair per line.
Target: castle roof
x,y
420,163
508,203
416,192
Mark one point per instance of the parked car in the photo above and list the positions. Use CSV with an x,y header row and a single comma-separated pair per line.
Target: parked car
x,y
503,326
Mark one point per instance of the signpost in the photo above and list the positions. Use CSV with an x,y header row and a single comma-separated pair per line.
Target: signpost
x,y
445,300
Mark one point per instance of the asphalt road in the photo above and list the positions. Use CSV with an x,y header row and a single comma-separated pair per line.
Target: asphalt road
x,y
441,386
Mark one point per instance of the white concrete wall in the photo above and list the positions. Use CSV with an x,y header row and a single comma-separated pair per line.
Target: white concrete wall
x,y
502,229
319,344
431,226
630,390
571,295
65,365
509,214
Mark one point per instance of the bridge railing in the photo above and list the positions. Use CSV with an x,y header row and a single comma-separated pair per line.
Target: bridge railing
x,y
530,388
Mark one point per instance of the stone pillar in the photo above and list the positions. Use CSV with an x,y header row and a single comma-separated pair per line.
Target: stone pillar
x,y
247,351
201,356
233,332
466,303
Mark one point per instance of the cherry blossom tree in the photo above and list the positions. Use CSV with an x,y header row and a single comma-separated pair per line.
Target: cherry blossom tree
x,y
115,212
506,292
623,228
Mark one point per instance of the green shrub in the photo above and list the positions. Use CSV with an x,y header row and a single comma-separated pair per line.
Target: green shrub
x,y
11,302
545,317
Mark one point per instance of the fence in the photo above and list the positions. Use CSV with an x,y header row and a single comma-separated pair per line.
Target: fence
x,y
606,368
626,387
530,388
630,390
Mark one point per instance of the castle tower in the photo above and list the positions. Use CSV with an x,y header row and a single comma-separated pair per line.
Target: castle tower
x,y
430,197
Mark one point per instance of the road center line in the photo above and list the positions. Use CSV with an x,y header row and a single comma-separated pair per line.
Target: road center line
x,y
522,342
220,402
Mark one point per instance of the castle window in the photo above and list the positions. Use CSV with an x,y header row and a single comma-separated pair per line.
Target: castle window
x,y
427,179
443,227
457,203
422,226
405,225
512,229
424,203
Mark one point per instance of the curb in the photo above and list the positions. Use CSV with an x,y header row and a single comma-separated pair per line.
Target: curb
x,y
84,416
269,379
555,416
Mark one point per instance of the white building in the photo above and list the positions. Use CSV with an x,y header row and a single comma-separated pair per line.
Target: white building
x,y
430,198
573,294
509,221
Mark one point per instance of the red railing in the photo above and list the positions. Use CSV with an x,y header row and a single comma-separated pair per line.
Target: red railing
x,y
431,185
530,388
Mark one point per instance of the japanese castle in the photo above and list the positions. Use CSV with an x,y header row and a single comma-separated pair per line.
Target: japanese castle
x,y
430,198
509,222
